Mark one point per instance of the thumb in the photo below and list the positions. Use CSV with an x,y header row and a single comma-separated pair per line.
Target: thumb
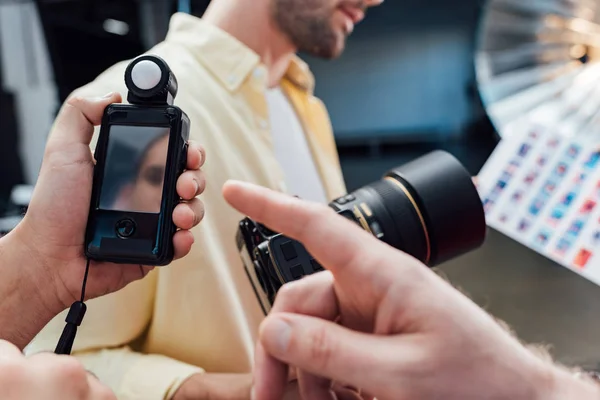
x,y
77,118
326,349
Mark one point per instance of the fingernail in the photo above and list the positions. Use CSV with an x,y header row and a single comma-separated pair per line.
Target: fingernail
x,y
253,394
108,95
278,334
196,187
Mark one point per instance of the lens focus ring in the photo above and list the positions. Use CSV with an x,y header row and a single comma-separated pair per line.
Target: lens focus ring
x,y
409,227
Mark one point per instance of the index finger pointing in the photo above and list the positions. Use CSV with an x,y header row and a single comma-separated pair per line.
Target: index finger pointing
x,y
316,226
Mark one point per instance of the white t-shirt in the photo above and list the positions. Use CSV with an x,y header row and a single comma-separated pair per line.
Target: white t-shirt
x,y
292,149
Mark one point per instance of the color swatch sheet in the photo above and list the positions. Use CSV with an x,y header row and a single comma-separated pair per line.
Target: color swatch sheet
x,y
541,187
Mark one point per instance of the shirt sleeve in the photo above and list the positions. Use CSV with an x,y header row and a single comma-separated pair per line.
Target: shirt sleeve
x,y
106,343
136,376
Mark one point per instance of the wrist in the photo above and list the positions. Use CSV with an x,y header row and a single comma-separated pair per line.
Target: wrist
x,y
43,271
28,301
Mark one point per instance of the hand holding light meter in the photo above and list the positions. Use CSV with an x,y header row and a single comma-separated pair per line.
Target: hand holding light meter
x,y
140,196
141,152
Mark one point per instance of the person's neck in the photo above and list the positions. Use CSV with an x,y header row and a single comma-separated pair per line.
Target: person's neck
x,y
259,33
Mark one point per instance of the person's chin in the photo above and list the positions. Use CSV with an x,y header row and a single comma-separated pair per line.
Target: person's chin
x,y
337,50
339,46
330,46
334,50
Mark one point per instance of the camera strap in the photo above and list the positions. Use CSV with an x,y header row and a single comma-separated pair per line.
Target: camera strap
x,y
73,320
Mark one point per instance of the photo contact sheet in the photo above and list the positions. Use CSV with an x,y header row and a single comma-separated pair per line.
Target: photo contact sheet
x,y
542,188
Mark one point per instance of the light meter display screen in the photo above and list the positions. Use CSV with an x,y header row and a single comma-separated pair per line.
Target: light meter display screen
x,y
134,171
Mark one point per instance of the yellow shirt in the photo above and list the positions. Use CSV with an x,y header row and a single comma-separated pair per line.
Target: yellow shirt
x,y
200,313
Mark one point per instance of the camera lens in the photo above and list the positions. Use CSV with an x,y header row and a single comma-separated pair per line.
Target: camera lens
x,y
428,208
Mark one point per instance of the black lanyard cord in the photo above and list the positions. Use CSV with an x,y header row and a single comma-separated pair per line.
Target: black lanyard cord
x,y
73,320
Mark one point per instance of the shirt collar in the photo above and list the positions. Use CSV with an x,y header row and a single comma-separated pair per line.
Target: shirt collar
x,y
227,58
299,74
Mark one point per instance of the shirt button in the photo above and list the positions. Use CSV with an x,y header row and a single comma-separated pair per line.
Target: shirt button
x,y
232,79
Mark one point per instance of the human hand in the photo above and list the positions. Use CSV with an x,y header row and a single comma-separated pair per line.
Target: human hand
x,y
292,392
215,387
227,387
52,232
46,376
401,332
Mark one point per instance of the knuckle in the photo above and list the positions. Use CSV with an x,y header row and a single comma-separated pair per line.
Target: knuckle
x,y
198,210
413,271
75,106
75,101
201,179
322,348
202,151
200,147
418,275
70,370
286,295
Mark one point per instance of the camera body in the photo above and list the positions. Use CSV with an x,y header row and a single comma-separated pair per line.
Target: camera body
x,y
429,208
140,154
271,259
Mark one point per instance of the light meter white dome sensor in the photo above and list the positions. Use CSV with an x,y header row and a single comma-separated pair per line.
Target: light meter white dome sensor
x,y
150,81
146,75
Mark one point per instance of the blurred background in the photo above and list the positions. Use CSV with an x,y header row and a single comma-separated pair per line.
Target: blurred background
x,y
417,75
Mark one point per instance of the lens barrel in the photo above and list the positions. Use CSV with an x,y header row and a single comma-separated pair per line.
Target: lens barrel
x,y
428,208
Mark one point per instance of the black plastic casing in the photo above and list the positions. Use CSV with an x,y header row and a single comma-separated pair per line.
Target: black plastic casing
x,y
152,242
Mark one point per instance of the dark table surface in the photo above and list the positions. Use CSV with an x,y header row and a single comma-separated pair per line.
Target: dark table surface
x,y
543,302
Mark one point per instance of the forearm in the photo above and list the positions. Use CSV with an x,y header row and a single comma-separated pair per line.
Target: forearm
x,y
23,309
